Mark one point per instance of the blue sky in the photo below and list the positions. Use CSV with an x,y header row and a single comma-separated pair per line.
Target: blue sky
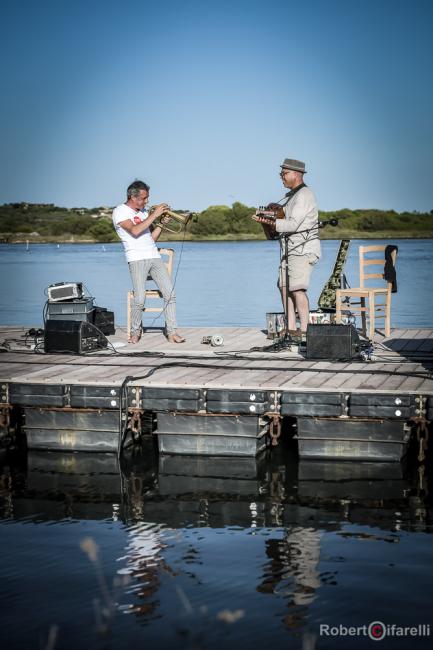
x,y
203,100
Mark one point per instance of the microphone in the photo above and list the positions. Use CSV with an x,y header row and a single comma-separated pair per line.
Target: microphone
x,y
329,222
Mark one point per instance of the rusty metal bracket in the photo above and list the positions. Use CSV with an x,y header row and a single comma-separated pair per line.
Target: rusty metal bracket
x,y
275,429
134,423
136,397
422,485
421,407
422,428
275,419
422,435
5,416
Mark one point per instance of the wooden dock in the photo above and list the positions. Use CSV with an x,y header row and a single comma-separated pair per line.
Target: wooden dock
x,y
219,400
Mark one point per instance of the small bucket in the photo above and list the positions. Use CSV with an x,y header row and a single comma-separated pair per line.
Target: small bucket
x,y
318,317
275,324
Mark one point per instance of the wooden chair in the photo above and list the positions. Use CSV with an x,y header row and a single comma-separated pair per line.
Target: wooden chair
x,y
167,255
368,306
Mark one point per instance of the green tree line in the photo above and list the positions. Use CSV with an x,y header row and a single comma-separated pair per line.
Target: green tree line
x,y
46,222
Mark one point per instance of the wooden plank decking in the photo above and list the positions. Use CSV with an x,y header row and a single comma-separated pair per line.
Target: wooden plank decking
x,y
402,362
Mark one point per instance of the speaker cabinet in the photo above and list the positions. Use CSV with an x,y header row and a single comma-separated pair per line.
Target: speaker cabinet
x,y
332,342
104,320
73,337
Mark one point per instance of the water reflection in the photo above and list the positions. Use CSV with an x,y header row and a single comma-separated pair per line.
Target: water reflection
x,y
388,495
292,572
366,482
215,539
215,475
54,486
273,489
143,564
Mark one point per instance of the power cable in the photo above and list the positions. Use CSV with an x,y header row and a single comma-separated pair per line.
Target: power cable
x,y
182,364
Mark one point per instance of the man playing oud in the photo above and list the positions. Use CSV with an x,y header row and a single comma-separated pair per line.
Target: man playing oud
x,y
299,227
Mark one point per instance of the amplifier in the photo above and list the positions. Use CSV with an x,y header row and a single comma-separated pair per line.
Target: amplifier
x,y
70,336
71,310
65,291
104,320
333,342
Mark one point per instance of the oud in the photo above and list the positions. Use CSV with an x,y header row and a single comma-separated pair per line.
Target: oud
x,y
271,211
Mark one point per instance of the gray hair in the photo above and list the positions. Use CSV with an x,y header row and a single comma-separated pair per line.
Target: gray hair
x,y
135,188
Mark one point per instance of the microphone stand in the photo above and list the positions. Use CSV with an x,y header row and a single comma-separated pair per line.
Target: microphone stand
x,y
286,341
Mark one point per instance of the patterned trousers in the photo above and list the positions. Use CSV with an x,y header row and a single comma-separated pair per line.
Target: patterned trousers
x,y
156,269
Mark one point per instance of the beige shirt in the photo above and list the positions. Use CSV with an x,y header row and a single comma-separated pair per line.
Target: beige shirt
x,y
301,214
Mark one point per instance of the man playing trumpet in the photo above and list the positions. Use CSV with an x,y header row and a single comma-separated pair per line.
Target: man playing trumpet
x,y
133,224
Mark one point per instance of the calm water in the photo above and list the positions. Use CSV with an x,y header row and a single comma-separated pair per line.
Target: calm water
x,y
217,283
194,553
177,552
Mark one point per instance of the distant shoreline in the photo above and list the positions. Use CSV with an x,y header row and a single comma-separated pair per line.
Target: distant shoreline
x,y
222,238
47,223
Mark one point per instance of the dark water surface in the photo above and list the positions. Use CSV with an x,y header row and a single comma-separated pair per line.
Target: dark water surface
x,y
178,552
183,552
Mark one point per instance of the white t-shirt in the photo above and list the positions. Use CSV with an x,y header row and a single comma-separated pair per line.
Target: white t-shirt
x,y
142,247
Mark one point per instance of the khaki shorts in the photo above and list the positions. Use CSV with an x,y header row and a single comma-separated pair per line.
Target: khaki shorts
x,y
299,267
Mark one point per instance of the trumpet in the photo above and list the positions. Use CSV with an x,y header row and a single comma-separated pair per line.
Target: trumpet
x,y
181,221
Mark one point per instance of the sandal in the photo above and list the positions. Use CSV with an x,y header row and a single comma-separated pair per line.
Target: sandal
x,y
175,338
134,338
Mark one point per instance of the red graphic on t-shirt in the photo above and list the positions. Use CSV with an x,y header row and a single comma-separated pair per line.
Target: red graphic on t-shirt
x,y
137,219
